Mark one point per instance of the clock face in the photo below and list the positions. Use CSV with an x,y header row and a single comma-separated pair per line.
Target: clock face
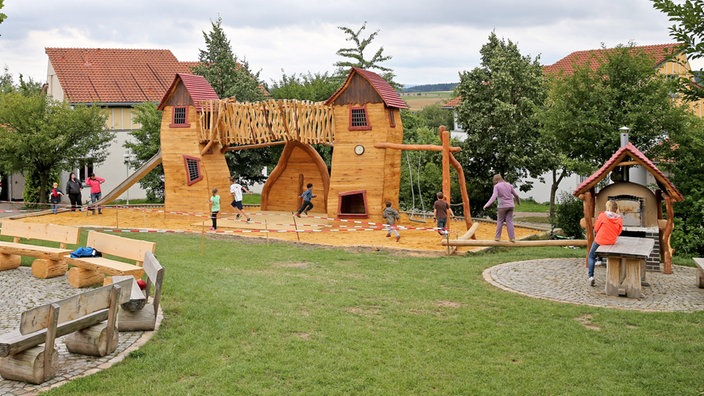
x,y
359,149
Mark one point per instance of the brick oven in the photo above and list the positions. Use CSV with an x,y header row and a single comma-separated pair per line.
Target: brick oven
x,y
641,206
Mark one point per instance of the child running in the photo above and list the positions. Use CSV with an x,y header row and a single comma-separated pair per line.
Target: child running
x,y
55,198
236,191
391,216
307,197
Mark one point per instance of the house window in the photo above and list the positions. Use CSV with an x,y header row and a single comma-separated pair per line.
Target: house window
x,y
193,173
392,121
358,119
180,117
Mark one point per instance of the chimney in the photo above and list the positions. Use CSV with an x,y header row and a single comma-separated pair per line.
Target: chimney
x,y
624,135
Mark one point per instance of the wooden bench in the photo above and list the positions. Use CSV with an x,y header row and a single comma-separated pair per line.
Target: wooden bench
x,y
88,271
132,317
700,271
625,265
49,261
88,319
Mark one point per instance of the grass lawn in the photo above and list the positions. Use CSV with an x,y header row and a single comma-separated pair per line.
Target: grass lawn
x,y
246,317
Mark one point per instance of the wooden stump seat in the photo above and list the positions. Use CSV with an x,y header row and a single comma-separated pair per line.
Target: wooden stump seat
x,y
88,271
49,261
22,358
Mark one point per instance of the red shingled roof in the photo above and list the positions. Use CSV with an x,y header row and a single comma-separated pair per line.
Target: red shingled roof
x,y
637,156
197,86
106,75
453,103
381,86
659,53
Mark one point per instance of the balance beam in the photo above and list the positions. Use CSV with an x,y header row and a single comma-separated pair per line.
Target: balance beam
x,y
540,242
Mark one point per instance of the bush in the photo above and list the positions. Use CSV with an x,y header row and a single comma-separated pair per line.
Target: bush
x,y
568,212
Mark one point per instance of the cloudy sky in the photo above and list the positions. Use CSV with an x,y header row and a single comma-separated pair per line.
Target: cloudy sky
x,y
429,41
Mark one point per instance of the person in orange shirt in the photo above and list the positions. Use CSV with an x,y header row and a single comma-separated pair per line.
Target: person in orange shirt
x,y
607,228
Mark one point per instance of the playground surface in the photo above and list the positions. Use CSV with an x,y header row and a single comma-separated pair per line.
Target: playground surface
x,y
315,228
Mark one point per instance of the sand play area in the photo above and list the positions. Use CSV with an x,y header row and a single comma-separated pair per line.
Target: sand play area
x,y
313,229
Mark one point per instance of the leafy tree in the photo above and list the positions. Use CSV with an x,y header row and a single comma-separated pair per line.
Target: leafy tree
x,y
146,146
39,136
585,110
231,77
228,75
688,29
500,100
2,16
357,59
314,87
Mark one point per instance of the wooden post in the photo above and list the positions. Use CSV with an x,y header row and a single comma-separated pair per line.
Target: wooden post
x,y
445,138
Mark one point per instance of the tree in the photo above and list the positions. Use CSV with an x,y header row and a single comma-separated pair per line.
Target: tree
x,y
231,77
585,110
500,100
314,87
146,146
228,75
39,137
2,16
356,54
688,29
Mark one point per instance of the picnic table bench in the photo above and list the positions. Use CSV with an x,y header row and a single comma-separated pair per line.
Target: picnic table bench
x,y
49,261
89,320
88,271
625,265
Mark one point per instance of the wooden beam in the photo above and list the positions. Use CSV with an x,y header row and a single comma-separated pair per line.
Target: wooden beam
x,y
541,242
252,146
414,147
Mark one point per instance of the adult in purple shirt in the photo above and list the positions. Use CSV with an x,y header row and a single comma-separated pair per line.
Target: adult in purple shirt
x,y
505,193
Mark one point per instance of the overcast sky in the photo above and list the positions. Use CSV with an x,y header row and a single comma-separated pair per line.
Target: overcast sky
x,y
429,41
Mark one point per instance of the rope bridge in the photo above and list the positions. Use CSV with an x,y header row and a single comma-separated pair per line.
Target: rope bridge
x,y
230,123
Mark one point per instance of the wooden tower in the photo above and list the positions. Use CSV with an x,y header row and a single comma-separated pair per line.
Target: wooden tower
x,y
189,174
367,111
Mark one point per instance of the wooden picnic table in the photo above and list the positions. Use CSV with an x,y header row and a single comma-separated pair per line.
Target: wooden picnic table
x,y
625,265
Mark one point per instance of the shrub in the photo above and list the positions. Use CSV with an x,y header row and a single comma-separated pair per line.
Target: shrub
x,y
568,212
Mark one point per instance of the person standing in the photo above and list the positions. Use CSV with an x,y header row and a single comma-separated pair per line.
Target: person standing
x,y
607,228
214,209
95,192
391,215
441,211
55,198
73,189
236,191
505,193
307,198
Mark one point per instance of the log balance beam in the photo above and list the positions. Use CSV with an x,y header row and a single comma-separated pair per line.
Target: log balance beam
x,y
538,242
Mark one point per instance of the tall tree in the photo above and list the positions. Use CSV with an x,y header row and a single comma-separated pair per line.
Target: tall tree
x,y
231,77
500,100
314,87
39,137
585,110
228,75
688,29
146,144
2,16
356,55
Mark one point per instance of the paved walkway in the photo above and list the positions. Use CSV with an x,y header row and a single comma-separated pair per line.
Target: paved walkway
x,y
565,280
20,291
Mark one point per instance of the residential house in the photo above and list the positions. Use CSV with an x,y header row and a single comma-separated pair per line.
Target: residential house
x,y
117,80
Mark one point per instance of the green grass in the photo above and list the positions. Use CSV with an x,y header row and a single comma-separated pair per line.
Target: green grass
x,y
529,205
256,318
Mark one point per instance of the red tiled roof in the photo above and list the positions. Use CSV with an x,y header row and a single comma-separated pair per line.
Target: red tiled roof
x,y
381,86
453,102
197,86
106,75
637,156
593,58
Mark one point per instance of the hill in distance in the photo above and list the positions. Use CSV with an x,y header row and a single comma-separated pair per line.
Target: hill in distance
x,y
429,87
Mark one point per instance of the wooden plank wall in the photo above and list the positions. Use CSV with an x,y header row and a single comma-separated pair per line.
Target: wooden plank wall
x,y
377,170
300,169
177,142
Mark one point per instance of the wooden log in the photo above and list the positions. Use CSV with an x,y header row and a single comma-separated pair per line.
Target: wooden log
x,y
470,232
92,341
142,320
541,242
9,261
28,366
44,269
81,277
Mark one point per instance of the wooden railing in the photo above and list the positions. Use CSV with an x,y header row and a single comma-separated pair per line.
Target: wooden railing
x,y
231,123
